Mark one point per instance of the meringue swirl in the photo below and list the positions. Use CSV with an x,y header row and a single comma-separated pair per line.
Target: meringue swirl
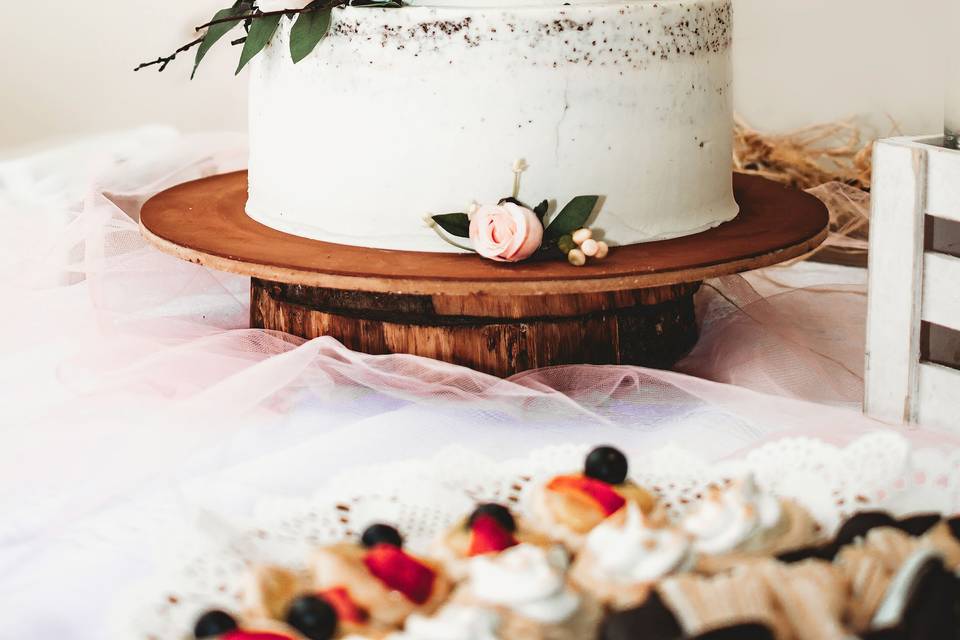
x,y
634,552
453,622
733,519
527,579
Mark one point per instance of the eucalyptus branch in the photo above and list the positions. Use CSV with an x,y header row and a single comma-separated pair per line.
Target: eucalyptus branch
x,y
251,13
163,61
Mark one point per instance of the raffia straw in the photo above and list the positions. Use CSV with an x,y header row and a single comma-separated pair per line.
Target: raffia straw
x,y
831,161
805,158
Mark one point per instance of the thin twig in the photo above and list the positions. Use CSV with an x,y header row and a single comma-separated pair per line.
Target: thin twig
x,y
266,14
166,60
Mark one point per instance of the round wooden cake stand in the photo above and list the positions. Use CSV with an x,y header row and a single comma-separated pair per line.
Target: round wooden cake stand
x,y
635,307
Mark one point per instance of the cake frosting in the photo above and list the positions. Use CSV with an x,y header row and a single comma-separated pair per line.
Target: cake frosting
x,y
407,112
634,552
733,519
453,622
527,579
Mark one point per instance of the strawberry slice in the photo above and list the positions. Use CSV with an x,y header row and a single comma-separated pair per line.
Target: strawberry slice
x,y
488,536
240,634
347,610
400,572
600,493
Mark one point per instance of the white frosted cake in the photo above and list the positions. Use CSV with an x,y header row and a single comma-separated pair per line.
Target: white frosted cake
x,y
405,112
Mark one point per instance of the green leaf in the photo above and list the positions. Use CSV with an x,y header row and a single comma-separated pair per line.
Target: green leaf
x,y
217,31
261,31
571,217
541,209
307,32
377,4
456,224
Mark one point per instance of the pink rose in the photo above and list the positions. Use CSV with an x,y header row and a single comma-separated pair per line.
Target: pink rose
x,y
505,232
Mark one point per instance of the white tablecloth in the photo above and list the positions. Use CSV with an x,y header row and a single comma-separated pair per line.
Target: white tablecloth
x,y
132,396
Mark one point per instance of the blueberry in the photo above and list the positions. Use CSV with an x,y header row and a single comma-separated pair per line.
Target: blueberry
x,y
313,617
496,511
381,534
214,623
607,465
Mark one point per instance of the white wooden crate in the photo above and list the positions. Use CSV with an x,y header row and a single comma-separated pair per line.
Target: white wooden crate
x,y
908,285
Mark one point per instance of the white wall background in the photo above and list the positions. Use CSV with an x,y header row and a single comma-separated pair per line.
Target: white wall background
x,y
66,66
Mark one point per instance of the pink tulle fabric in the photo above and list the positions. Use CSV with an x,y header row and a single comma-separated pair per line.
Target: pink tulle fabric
x,y
124,372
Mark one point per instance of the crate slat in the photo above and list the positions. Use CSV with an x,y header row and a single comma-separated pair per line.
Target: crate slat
x,y
938,393
896,259
943,183
941,290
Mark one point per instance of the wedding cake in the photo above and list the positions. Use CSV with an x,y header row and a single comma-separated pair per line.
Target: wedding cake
x,y
402,113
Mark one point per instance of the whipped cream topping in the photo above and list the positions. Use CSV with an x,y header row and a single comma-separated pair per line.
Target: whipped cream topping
x,y
733,518
453,622
634,552
528,579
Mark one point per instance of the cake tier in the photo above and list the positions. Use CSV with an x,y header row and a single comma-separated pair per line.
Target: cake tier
x,y
401,113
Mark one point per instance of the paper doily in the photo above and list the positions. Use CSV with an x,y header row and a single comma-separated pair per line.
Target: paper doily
x,y
424,497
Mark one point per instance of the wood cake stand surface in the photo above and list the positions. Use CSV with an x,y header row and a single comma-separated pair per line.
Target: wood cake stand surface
x,y
635,307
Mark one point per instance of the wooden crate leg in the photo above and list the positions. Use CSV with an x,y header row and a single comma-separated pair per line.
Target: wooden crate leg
x,y
895,277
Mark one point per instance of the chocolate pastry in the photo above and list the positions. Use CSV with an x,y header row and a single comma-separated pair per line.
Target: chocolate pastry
x,y
744,631
918,525
819,552
922,602
652,621
860,524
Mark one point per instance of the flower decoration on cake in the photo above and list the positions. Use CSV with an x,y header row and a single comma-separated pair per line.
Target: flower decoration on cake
x,y
511,231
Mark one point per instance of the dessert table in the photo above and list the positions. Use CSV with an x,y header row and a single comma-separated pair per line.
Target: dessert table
x,y
136,402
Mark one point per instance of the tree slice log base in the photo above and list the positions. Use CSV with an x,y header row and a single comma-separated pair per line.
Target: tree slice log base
x,y
635,307
499,335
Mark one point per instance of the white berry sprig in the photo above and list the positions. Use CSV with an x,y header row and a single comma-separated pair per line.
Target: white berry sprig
x,y
580,245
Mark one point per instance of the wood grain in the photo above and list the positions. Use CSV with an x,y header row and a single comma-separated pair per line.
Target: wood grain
x,y
894,282
204,222
586,328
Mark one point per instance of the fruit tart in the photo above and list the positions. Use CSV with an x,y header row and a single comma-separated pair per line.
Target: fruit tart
x,y
280,604
625,556
490,528
378,578
569,506
527,587
740,522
